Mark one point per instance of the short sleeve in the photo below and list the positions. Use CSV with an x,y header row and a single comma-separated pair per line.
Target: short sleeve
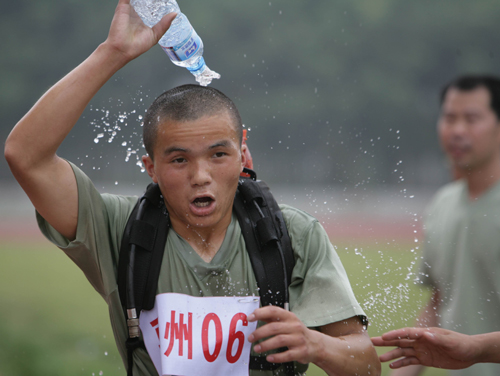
x,y
424,276
101,222
432,221
320,292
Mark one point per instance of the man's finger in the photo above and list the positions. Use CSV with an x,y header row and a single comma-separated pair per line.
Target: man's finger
x,y
161,27
269,314
285,356
404,362
269,330
277,342
405,333
378,341
397,353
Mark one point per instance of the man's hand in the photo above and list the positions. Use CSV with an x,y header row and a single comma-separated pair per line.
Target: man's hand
x,y
432,347
130,36
339,348
284,330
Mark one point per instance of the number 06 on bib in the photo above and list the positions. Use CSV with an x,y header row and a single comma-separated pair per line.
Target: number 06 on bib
x,y
189,336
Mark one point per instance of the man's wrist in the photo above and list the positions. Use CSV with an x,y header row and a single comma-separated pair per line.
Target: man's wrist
x,y
488,347
111,57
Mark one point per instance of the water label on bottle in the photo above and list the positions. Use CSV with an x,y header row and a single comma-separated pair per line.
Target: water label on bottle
x,y
185,49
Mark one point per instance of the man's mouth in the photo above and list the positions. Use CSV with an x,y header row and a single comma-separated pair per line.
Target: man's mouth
x,y
458,150
202,202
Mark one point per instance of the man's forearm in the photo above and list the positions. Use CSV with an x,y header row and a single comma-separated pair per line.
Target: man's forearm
x,y
488,347
31,147
40,132
35,139
339,348
348,355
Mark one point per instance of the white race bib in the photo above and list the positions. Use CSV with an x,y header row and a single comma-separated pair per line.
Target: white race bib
x,y
190,336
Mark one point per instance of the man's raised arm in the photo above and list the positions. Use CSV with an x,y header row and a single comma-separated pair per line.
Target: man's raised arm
x,y
31,147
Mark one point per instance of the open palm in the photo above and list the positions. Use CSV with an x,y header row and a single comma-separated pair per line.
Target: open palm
x,y
432,347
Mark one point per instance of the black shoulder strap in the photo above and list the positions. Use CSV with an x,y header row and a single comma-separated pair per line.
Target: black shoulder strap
x,y
267,240
149,234
269,248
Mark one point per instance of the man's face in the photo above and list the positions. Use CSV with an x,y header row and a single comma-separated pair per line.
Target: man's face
x,y
197,165
468,129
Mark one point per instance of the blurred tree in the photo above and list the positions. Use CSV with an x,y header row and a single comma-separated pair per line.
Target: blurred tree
x,y
339,92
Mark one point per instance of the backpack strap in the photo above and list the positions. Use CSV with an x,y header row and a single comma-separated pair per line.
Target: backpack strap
x,y
139,264
146,231
269,248
266,238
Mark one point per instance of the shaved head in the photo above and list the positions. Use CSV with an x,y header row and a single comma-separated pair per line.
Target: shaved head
x,y
187,103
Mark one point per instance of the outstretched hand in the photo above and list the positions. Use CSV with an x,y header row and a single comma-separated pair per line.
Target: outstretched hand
x,y
432,347
284,329
130,36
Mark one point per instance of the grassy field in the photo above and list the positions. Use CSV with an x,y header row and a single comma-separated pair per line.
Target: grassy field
x,y
53,323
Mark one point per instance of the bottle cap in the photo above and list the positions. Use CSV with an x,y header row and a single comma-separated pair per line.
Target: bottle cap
x,y
202,73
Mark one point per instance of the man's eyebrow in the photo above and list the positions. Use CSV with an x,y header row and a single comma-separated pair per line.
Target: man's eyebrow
x,y
223,143
174,149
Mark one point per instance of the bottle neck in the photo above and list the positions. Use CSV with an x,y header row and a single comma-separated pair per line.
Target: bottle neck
x,y
198,68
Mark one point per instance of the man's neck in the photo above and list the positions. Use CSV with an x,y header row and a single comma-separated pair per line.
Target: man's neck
x,y
205,241
480,180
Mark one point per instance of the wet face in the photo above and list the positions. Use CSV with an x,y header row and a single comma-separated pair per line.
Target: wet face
x,y
197,166
468,129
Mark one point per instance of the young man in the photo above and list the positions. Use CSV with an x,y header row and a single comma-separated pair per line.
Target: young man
x,y
462,242
193,140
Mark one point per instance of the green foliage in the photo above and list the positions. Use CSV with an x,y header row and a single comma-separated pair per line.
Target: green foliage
x,y
52,321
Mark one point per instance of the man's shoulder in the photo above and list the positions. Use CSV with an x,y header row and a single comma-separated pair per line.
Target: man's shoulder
x,y
448,194
298,222
451,189
294,215
117,206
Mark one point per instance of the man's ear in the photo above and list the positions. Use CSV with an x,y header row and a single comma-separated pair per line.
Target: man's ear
x,y
149,165
244,152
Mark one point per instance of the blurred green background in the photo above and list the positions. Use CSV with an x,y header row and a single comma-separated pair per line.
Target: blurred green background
x,y
338,91
53,322
340,99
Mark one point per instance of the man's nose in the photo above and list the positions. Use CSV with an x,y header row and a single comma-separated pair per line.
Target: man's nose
x,y
200,173
459,127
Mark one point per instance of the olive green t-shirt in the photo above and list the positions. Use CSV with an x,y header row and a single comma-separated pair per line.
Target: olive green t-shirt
x,y
461,259
320,292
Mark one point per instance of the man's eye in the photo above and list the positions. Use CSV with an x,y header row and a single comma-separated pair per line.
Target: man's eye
x,y
179,160
449,118
473,119
220,154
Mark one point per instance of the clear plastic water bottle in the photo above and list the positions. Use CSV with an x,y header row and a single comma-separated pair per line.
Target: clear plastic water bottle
x,y
181,42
